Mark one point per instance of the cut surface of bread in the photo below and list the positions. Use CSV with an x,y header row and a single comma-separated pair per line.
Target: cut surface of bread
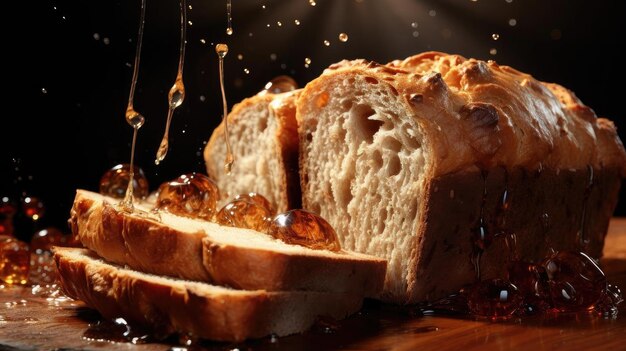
x,y
205,251
436,162
168,306
264,124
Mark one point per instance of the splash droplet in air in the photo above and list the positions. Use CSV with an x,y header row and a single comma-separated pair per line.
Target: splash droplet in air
x,y
326,43
222,50
493,51
343,37
414,24
297,22
312,2
495,36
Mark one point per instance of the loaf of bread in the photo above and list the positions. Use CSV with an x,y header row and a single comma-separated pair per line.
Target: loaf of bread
x,y
262,125
205,251
168,306
450,167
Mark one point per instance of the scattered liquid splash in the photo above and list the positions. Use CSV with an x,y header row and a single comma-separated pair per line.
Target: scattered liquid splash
x,y
221,50
176,95
343,37
495,36
134,118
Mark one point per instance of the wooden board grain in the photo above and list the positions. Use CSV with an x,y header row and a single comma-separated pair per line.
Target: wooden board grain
x,y
30,322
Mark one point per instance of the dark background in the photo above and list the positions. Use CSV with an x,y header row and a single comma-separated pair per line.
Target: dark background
x,y
69,71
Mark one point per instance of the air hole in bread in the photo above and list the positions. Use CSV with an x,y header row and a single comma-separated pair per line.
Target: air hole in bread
x,y
309,137
262,124
393,165
377,160
382,219
371,80
346,104
364,125
343,194
392,144
412,211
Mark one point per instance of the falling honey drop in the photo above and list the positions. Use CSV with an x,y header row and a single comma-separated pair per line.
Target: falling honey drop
x,y
300,227
114,182
229,18
326,43
495,36
134,118
343,37
176,95
221,50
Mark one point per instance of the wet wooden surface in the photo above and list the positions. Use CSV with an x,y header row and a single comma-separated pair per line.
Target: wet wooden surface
x,y
31,322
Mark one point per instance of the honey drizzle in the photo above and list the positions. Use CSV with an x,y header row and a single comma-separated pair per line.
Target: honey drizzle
x,y
229,18
176,94
222,50
134,118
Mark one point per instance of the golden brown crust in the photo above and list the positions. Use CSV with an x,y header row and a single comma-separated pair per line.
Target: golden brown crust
x,y
158,248
536,125
175,306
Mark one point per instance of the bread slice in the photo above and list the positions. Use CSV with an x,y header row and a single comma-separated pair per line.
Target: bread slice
x,y
177,306
415,160
205,251
265,125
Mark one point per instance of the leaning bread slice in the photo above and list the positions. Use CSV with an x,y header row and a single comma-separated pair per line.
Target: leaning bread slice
x,y
177,306
205,251
264,140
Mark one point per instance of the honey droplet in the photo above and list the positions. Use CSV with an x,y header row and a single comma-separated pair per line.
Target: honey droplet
x,y
14,260
176,95
575,281
343,37
495,298
312,2
257,199
44,239
190,195
134,118
297,22
33,208
244,214
221,50
326,43
495,36
281,84
114,182
304,228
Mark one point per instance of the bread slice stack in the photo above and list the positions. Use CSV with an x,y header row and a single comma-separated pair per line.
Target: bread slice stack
x,y
175,274
450,168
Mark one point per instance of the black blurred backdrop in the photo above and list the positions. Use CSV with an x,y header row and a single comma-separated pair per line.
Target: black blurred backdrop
x,y
69,81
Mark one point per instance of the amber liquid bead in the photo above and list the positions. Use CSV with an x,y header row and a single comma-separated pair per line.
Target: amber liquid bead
x,y
244,214
190,195
304,228
494,298
14,260
114,182
257,199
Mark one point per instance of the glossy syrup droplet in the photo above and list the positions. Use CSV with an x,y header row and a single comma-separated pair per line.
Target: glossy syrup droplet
x,y
326,43
134,118
257,199
343,37
575,281
14,260
7,212
304,228
244,214
190,195
495,298
222,50
495,36
114,182
281,84
312,2
307,62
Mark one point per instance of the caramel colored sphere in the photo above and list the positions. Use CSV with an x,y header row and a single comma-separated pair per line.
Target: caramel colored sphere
x,y
115,181
257,199
244,214
190,195
304,228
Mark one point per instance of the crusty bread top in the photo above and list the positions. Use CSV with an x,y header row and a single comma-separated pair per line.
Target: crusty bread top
x,y
476,113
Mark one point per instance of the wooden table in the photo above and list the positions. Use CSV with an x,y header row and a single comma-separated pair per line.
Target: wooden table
x,y
28,322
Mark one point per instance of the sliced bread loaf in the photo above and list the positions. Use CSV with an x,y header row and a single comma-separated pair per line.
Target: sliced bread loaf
x,y
177,306
264,138
448,167
205,251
